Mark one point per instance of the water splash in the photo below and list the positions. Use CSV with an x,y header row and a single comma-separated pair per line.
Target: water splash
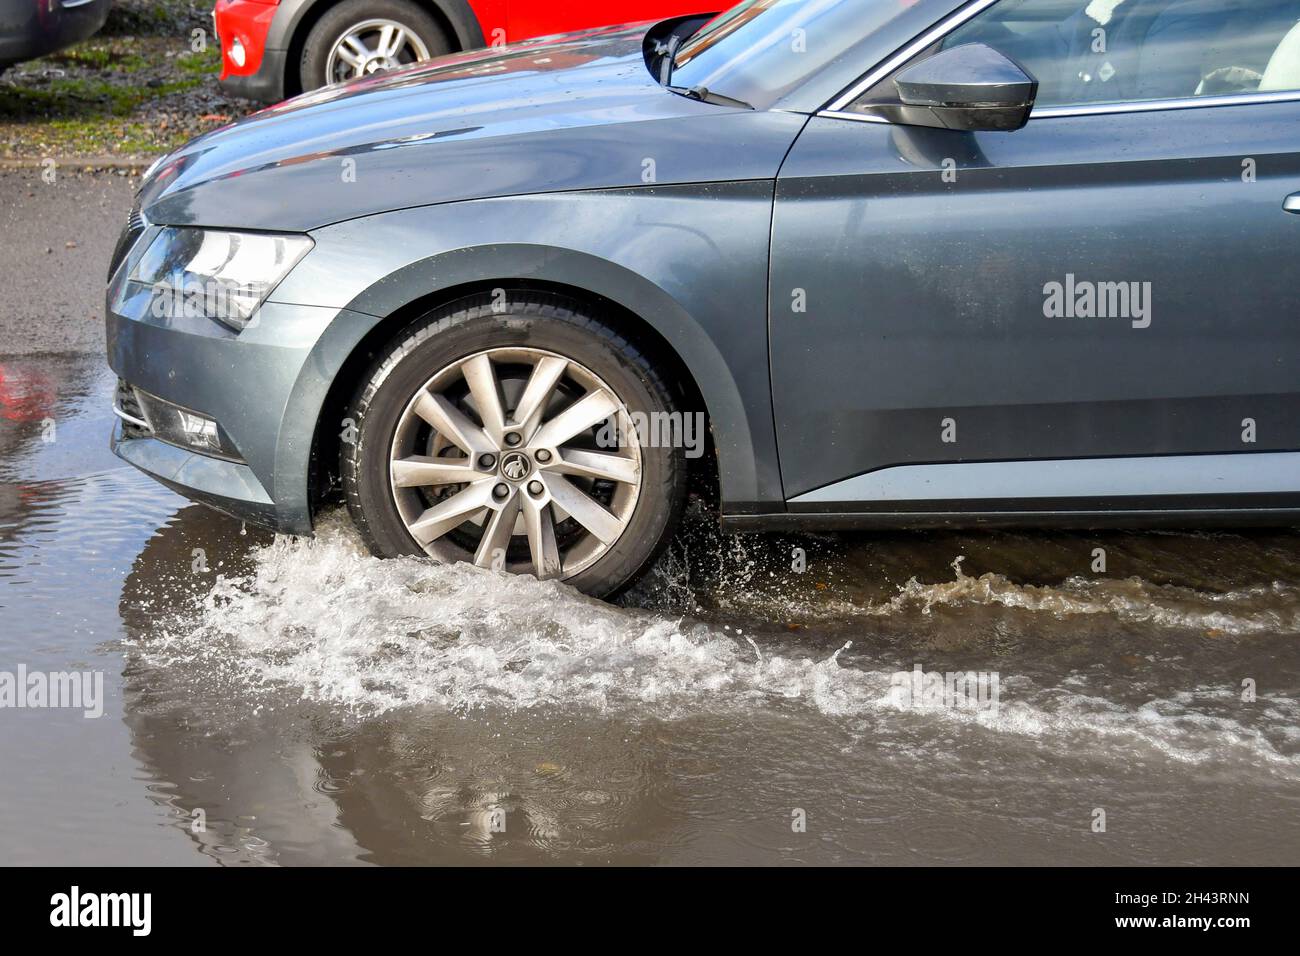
x,y
320,620
1265,609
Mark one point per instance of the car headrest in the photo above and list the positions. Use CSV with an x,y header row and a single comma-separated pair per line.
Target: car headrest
x,y
1283,70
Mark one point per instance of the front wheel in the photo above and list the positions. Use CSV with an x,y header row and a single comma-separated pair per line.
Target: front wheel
x,y
514,435
359,38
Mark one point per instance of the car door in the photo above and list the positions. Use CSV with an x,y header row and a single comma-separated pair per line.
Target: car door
x,y
1109,290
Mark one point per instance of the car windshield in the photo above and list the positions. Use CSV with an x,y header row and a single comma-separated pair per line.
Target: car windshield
x,y
760,49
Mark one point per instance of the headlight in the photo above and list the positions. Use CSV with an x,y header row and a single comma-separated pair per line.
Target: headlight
x,y
222,275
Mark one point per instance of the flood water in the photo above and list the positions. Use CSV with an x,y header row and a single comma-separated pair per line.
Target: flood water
x,y
284,701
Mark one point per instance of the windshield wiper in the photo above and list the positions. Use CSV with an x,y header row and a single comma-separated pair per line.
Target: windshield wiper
x,y
664,54
708,96
669,53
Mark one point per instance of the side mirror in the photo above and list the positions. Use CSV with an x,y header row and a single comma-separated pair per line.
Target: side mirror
x,y
968,87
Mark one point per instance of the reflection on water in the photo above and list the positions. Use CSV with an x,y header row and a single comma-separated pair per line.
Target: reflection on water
x,y
309,704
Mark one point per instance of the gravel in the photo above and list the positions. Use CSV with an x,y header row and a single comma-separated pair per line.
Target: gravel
x,y
145,84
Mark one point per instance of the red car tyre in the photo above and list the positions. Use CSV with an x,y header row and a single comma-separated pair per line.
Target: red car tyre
x,y
361,37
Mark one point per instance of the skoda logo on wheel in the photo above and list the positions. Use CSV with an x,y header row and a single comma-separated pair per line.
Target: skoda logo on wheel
x,y
514,466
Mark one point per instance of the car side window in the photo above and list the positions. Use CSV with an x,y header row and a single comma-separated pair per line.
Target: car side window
x,y
1125,51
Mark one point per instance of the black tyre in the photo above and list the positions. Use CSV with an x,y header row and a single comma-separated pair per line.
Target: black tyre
x,y
362,37
511,431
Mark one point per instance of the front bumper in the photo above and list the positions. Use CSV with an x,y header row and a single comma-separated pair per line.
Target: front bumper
x,y
225,485
266,85
261,75
264,386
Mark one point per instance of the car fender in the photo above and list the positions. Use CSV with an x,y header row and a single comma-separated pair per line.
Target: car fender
x,y
695,273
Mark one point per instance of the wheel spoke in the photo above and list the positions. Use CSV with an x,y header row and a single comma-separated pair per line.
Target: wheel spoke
x,y
358,46
496,535
350,57
584,509
597,464
419,470
532,404
391,40
483,385
453,424
452,513
541,539
592,409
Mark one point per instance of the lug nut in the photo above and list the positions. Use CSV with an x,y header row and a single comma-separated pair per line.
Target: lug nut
x,y
487,461
501,490
513,439
535,488
542,455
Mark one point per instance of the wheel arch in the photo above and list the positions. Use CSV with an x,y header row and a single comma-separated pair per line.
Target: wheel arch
x,y
725,472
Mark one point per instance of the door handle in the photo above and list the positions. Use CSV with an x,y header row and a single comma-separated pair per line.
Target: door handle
x,y
1292,203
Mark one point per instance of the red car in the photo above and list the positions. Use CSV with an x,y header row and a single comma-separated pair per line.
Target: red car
x,y
272,49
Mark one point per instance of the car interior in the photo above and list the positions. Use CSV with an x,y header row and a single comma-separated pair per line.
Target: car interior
x,y
1098,51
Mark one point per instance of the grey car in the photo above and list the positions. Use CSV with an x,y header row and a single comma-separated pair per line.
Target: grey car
x,y
826,264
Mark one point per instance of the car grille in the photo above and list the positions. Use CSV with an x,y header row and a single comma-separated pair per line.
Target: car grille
x,y
127,407
135,226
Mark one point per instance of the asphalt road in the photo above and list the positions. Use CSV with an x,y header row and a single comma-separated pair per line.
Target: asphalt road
x,y
55,242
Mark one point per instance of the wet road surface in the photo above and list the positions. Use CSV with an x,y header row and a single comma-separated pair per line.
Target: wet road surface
x,y
299,702
57,231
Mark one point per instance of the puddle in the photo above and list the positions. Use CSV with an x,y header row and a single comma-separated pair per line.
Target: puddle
x,y
316,705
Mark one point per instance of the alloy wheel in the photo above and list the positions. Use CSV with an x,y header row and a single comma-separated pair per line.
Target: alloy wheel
x,y
516,458
373,46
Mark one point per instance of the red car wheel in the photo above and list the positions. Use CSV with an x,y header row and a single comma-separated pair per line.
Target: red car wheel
x,y
359,38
